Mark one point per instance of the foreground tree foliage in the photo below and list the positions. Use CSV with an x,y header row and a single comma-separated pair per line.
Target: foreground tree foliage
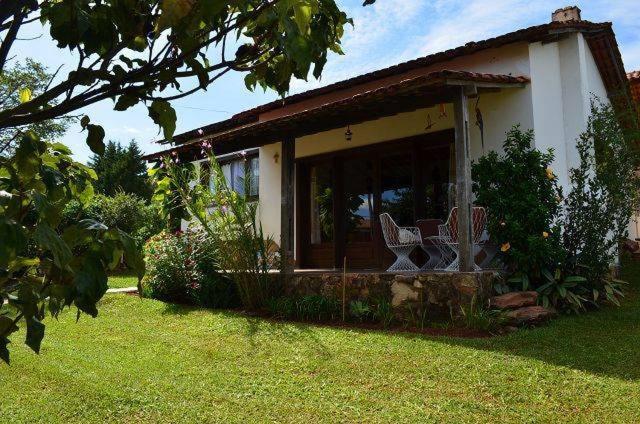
x,y
129,51
43,267
152,52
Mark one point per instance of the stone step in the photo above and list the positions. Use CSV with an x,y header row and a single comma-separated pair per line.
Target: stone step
x,y
530,315
514,300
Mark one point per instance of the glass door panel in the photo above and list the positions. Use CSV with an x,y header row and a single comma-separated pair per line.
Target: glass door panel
x,y
359,212
321,229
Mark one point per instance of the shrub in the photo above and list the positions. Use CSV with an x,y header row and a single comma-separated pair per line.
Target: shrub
x,y
281,307
124,211
317,308
360,310
383,313
603,196
478,317
523,199
229,221
182,268
217,291
172,273
306,308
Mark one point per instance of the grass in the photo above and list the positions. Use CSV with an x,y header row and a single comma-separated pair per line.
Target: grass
x,y
122,280
145,361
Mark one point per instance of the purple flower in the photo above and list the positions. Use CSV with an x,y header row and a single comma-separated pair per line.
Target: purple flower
x,y
200,132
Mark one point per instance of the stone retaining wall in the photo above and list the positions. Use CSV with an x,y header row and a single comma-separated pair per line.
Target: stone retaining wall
x,y
442,294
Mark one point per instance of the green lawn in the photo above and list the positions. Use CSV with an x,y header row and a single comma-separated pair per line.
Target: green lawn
x,y
145,361
120,281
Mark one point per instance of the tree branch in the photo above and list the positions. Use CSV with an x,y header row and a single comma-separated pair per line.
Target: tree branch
x,y
5,47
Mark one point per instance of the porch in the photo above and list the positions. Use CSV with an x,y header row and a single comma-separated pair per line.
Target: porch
x,y
331,192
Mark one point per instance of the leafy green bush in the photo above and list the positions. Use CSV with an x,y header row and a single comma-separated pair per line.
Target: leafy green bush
x,y
383,313
566,256
124,211
182,268
230,222
281,307
172,273
478,317
523,201
306,308
360,310
217,291
317,308
604,194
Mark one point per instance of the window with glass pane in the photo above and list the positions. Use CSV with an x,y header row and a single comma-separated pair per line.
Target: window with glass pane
x,y
358,188
437,188
321,201
397,189
254,174
241,173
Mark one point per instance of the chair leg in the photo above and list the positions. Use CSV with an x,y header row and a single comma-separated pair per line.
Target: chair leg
x,y
403,263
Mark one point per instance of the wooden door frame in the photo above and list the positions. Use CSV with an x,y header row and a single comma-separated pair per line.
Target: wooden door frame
x,y
413,145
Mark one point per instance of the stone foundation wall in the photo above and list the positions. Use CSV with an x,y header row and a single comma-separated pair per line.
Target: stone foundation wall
x,y
441,295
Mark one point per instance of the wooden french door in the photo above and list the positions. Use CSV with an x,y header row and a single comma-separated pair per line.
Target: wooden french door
x,y
341,195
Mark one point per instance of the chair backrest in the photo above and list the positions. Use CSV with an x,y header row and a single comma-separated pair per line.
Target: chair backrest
x,y
478,223
452,224
390,230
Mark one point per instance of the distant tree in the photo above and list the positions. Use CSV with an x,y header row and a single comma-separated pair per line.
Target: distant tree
x,y
19,82
121,169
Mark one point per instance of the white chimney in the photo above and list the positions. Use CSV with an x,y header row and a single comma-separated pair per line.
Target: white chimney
x,y
566,14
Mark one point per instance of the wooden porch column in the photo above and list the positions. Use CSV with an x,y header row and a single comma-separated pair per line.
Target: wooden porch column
x,y
463,180
287,162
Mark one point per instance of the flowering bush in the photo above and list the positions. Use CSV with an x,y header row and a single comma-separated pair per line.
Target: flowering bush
x,y
172,272
182,268
523,199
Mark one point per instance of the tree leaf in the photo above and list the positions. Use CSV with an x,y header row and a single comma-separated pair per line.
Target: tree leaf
x,y
125,102
4,352
25,95
302,16
7,326
165,116
91,284
35,334
51,241
172,12
95,138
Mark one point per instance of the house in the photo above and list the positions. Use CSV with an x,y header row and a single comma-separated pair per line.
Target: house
x,y
401,139
634,84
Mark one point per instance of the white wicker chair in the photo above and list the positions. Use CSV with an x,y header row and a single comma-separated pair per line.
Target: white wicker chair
x,y
449,234
401,241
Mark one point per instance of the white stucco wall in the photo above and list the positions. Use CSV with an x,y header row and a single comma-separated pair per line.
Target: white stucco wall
x,y
564,78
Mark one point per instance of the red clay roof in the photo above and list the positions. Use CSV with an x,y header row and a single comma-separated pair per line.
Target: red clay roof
x,y
350,109
600,38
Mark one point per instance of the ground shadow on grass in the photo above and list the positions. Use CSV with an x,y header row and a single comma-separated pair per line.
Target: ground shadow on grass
x,y
603,342
291,331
